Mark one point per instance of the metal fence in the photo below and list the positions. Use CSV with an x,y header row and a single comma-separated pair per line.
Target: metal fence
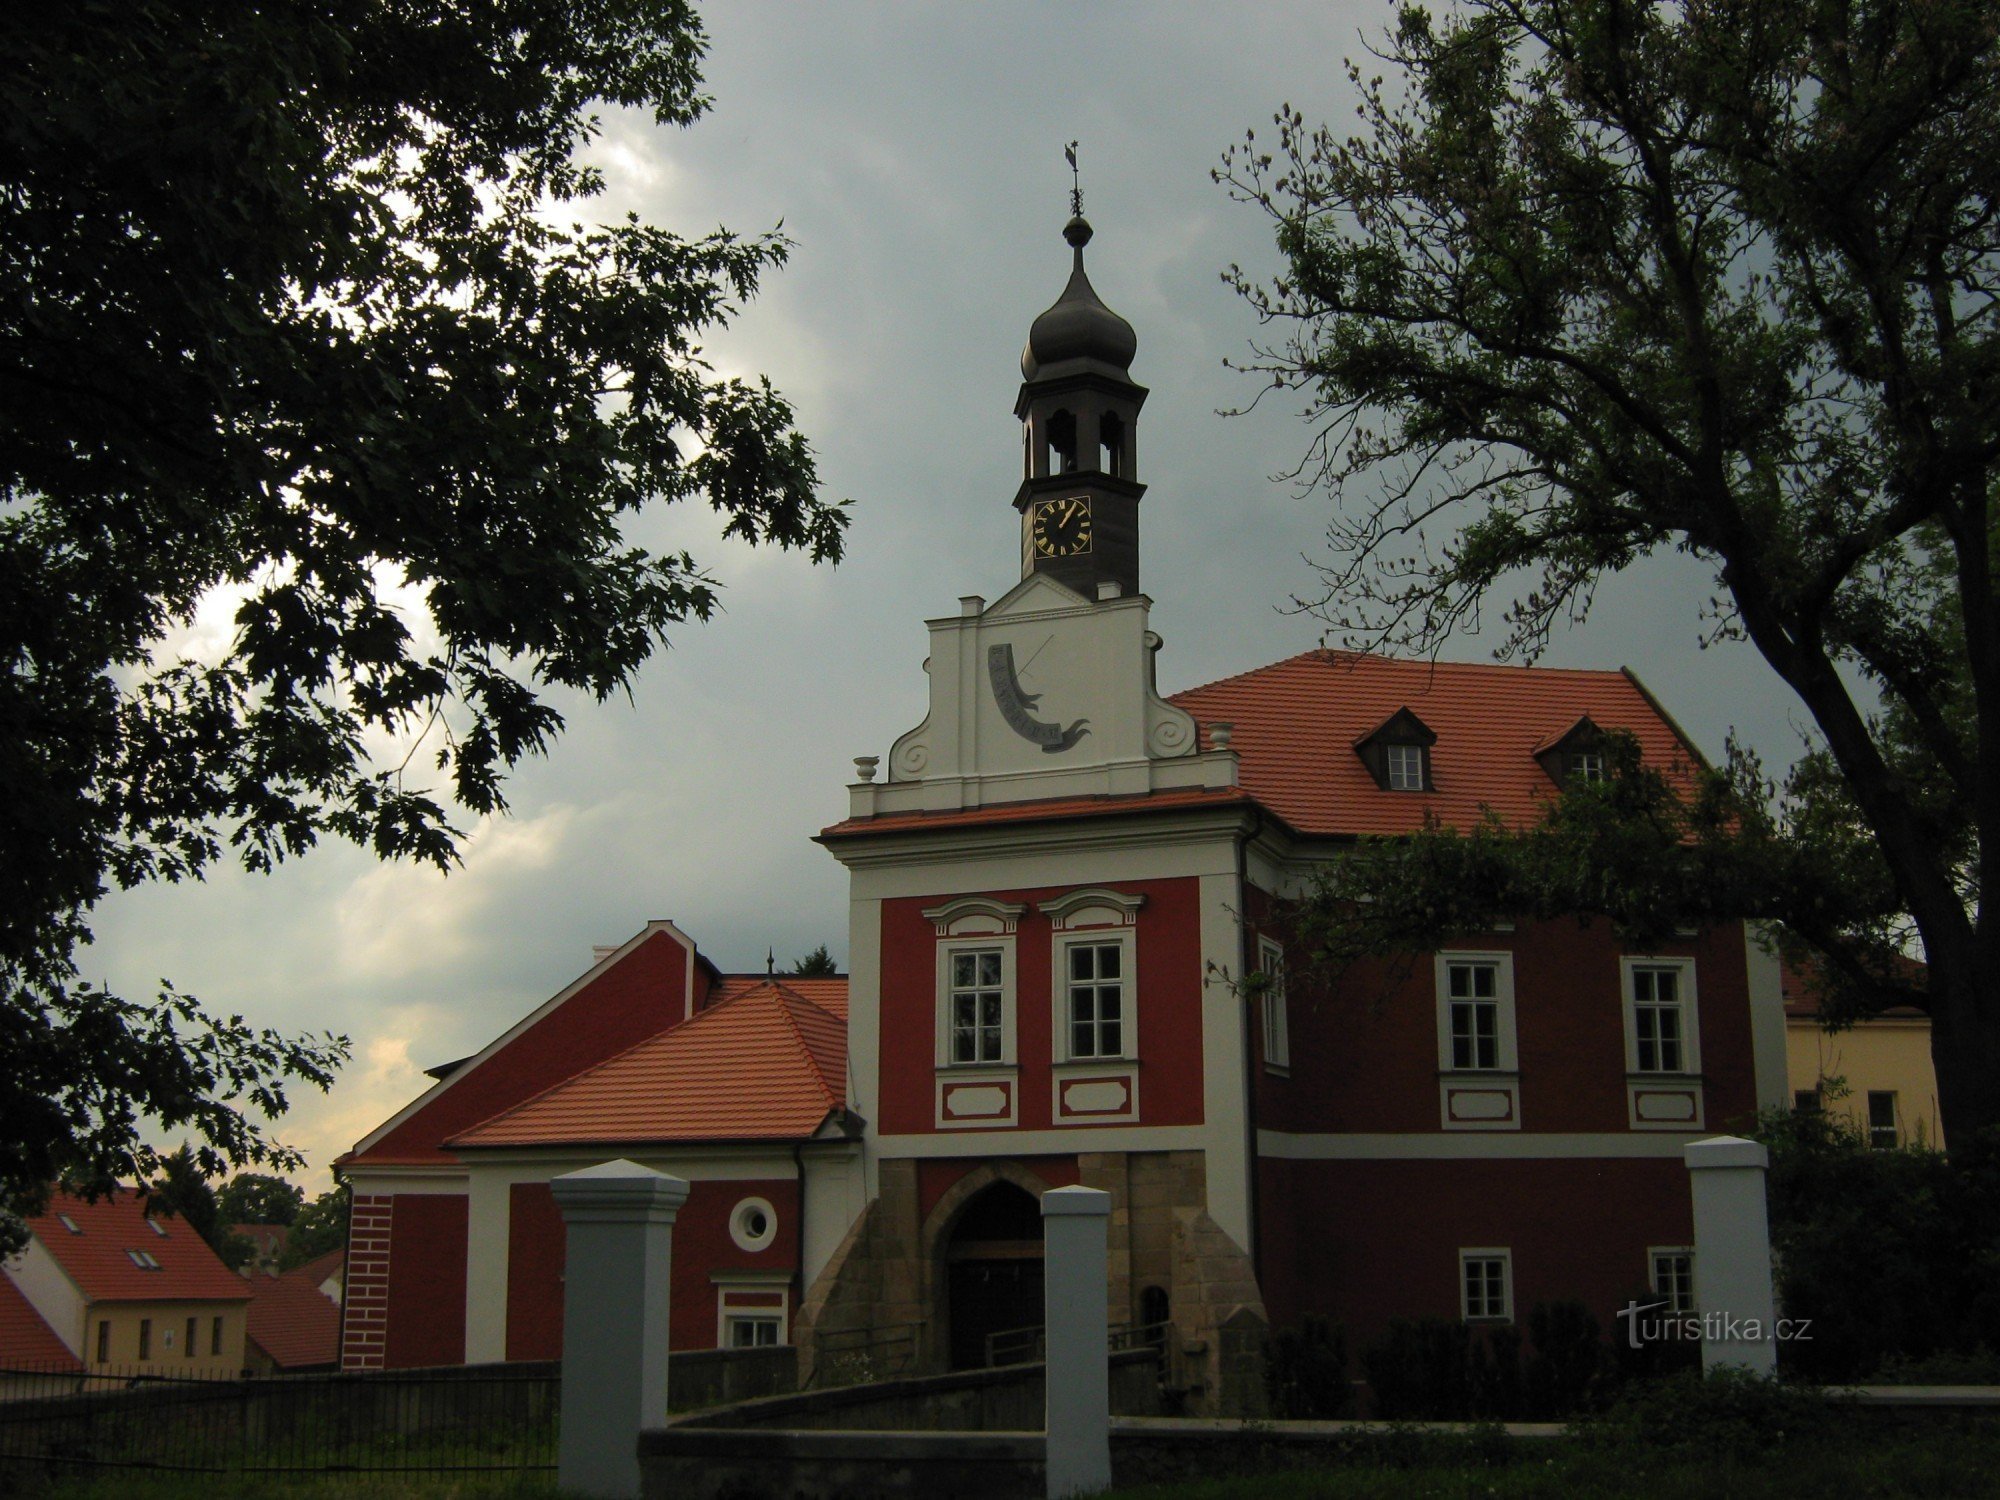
x,y
443,1421
1021,1346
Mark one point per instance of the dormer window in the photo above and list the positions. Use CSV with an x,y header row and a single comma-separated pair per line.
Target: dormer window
x,y
1397,753
1575,757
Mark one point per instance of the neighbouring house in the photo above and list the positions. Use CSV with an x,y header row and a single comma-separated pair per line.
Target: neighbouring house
x,y
123,1289
267,1243
1057,882
294,1323
1878,1073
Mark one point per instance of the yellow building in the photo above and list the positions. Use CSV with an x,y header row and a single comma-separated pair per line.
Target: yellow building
x,y
1878,1073
122,1290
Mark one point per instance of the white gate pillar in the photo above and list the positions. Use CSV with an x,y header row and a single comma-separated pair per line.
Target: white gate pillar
x,y
620,1224
1076,1313
1732,1254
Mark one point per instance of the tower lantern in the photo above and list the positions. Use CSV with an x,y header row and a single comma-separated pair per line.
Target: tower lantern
x,y
1079,406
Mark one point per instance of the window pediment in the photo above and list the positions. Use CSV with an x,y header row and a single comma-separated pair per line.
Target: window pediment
x,y
975,916
1093,906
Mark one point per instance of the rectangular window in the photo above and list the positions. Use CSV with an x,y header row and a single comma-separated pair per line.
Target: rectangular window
x,y
193,1338
1474,988
1661,1031
1882,1120
1405,764
1656,1019
1096,987
103,1343
1486,1285
1586,765
1805,1102
976,1009
215,1337
745,1332
1672,1277
145,1338
1277,1027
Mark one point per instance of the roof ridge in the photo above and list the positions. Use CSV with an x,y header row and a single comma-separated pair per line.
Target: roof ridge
x,y
799,1037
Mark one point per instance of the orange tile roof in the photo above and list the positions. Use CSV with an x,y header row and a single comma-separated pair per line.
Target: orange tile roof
x,y
764,1064
1297,722
26,1341
828,992
97,1262
293,1321
1043,811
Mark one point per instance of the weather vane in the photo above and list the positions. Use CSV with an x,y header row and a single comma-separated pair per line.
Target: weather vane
x,y
1075,179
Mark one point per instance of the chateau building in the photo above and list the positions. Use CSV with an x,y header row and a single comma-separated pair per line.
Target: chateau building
x,y
1058,882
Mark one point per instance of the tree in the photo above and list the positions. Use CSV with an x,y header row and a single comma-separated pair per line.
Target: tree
x,y
299,310
321,1226
183,1191
817,964
258,1198
1598,278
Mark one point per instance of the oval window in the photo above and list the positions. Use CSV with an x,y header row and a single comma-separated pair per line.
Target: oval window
x,y
753,1224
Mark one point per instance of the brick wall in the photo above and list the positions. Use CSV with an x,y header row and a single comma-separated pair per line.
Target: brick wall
x,y
364,1319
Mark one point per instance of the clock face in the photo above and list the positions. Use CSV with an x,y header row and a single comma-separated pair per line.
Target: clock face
x,y
1062,527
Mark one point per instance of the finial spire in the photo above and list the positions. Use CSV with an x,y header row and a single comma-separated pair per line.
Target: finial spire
x,y
1075,180
771,964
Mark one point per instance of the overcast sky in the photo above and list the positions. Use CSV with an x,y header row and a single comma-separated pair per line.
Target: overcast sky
x,y
914,153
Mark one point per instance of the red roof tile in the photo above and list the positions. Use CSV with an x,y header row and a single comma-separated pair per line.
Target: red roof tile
x,y
293,1321
1296,723
26,1342
97,1262
764,1064
1038,812
828,992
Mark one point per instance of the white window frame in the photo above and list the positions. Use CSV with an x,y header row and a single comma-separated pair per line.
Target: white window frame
x,y
947,950
1398,758
1505,1257
1686,1003
1672,1296
773,1320
1123,938
729,1284
1506,1058
1895,1126
1277,1021
741,1228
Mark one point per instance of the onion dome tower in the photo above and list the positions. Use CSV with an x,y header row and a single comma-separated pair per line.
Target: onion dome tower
x,y
1079,408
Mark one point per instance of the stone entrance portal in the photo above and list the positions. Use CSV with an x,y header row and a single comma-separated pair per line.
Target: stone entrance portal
x,y
993,1273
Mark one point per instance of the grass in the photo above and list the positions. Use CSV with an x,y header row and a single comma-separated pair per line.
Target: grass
x,y
133,1484
1918,1463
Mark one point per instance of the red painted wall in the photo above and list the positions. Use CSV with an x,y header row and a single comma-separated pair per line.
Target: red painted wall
x,y
535,1240
1362,1242
426,1301
641,995
1168,1008
702,1246
1364,1056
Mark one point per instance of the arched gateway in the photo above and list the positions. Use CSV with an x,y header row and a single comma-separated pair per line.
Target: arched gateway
x,y
992,1271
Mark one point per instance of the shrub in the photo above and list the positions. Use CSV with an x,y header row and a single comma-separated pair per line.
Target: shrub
x,y
1893,1255
1305,1370
1433,1369
1727,1414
